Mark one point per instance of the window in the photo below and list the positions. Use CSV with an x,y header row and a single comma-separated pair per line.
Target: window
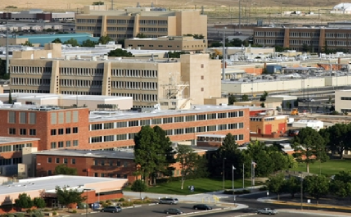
x,y
96,127
61,116
23,132
190,130
60,131
222,127
167,120
12,117
178,131
75,129
133,123
201,117
102,163
190,118
202,89
232,114
22,117
211,128
60,144
65,160
144,122
53,144
32,132
121,137
53,118
125,164
241,125
96,139
96,174
53,132
75,116
241,113
12,131
211,116
201,129
75,142
68,143
222,115
49,160
108,126
73,161
157,121
118,163
109,138
49,172
179,119
68,117
121,124
57,160
68,130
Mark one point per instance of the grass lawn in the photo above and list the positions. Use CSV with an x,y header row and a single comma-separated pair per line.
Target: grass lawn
x,y
201,185
329,168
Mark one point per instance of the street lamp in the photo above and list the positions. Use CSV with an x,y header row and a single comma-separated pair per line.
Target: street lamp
x,y
223,171
233,168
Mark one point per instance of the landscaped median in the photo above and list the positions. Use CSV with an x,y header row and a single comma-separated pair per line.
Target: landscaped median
x,y
197,213
304,205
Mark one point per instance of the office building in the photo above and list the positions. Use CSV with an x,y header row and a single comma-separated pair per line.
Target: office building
x,y
128,23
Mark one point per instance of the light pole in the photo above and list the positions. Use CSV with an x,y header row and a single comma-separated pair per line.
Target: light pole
x,y
223,55
233,168
223,171
301,177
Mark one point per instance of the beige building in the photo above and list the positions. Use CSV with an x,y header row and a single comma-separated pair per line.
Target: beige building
x,y
128,23
148,81
178,43
343,101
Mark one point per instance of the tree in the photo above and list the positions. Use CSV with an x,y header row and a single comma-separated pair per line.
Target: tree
x,y
119,53
292,186
72,42
191,164
244,97
139,186
57,40
105,39
24,201
275,184
236,42
309,146
175,54
141,35
66,196
337,138
262,105
216,44
316,186
231,99
27,43
10,98
88,43
39,202
3,74
264,96
98,3
152,152
65,170
341,184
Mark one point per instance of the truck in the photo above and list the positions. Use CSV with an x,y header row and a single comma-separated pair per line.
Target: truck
x,y
267,211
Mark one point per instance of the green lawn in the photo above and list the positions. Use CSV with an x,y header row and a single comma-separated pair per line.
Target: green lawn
x,y
329,168
201,185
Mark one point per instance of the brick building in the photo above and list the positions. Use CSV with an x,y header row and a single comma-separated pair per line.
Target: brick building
x,y
315,39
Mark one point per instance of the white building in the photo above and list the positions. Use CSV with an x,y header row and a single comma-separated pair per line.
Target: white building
x,y
343,101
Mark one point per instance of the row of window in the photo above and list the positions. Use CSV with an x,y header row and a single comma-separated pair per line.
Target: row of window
x,y
64,144
134,85
113,21
89,28
141,29
345,98
29,70
30,81
24,117
64,117
117,29
12,148
81,71
119,137
134,73
120,36
89,21
80,93
79,83
23,132
63,131
103,162
10,161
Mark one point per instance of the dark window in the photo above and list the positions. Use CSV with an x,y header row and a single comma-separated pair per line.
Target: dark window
x,y
53,132
57,160
12,131
60,131
96,174
73,161
53,144
60,144
65,160
49,172
75,129
68,130
118,163
23,132
102,162
49,160
32,132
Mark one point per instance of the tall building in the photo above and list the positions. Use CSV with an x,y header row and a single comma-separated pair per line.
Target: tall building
x,y
304,38
128,23
148,81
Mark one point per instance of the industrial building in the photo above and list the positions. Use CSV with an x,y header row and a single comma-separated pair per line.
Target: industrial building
x,y
128,23
37,15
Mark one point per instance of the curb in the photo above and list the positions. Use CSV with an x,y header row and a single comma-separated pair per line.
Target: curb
x,y
314,213
325,206
250,214
202,212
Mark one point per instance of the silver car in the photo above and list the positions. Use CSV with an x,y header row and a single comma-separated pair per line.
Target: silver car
x,y
168,200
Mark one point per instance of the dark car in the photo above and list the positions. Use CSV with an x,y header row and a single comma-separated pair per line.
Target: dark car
x,y
202,206
112,209
168,200
173,211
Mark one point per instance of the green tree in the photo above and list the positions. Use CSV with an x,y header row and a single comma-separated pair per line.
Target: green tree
x,y
191,164
309,146
27,43
275,184
98,3
105,39
262,105
197,36
236,42
316,186
119,53
3,74
39,202
341,184
72,42
63,169
292,186
176,54
231,99
57,40
24,201
141,35
244,98
216,44
337,138
139,186
10,98
66,196
264,96
88,43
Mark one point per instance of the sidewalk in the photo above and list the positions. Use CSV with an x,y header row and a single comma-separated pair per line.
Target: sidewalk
x,y
315,212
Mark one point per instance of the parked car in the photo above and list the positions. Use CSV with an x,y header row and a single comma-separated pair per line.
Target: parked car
x,y
113,209
168,201
202,206
173,211
267,211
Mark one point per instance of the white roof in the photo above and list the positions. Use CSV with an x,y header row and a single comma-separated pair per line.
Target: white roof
x,y
342,6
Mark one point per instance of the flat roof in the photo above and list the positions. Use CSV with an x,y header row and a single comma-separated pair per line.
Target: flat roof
x,y
43,39
97,116
5,140
62,96
49,183
118,154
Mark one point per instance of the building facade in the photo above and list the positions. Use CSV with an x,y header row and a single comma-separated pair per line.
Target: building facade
x,y
343,101
176,43
128,23
146,80
304,38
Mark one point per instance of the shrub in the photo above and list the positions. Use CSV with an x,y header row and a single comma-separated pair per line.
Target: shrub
x,y
74,211
11,215
19,215
137,202
28,211
126,203
54,213
121,199
46,210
